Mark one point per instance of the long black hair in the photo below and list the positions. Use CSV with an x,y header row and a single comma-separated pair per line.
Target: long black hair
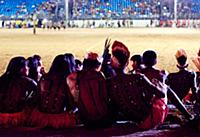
x,y
33,64
60,66
13,71
71,61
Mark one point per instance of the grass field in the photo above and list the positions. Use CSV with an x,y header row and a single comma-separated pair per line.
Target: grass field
x,y
49,43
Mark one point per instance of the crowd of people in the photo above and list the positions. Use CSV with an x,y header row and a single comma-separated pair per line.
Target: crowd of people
x,y
97,91
103,9
137,9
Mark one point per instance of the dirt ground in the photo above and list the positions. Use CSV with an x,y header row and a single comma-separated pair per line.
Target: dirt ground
x,y
49,43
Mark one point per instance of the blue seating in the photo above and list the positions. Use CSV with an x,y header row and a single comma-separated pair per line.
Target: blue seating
x,y
137,9
196,6
101,9
17,8
115,9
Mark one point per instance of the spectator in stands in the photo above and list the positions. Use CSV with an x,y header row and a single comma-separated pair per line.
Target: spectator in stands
x,y
55,104
183,81
17,93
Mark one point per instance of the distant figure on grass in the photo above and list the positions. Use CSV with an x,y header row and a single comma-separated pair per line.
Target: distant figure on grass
x,y
183,81
17,93
55,102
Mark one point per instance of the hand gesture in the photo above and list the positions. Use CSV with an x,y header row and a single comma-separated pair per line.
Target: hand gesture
x,y
107,43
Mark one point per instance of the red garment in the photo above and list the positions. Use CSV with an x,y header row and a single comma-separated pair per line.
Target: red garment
x,y
152,73
158,115
13,119
93,97
62,120
54,104
17,97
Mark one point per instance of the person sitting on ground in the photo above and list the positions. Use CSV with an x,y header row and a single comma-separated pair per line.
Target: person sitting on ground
x,y
93,98
55,102
135,96
183,81
40,64
34,69
78,65
150,60
136,64
72,62
18,93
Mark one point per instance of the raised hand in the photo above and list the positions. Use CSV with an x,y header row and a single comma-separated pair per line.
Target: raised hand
x,y
107,43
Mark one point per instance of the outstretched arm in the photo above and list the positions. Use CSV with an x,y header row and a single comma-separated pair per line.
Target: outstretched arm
x,y
106,58
178,103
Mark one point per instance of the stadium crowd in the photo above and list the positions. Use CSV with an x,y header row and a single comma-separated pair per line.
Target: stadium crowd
x,y
135,9
106,9
98,91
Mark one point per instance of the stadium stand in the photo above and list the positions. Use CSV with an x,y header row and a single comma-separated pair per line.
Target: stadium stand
x,y
100,13
104,9
24,8
116,9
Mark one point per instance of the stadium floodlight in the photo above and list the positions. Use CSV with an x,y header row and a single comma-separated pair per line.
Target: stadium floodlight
x,y
67,9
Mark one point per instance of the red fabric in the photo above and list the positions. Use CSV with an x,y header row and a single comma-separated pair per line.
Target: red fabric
x,y
12,119
92,95
63,120
158,115
120,46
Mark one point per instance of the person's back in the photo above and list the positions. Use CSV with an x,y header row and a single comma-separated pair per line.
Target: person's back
x,y
136,64
152,73
17,93
93,95
54,95
55,100
16,96
149,60
133,96
92,101
183,80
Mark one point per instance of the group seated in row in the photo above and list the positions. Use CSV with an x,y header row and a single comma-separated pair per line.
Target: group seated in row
x,y
96,92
